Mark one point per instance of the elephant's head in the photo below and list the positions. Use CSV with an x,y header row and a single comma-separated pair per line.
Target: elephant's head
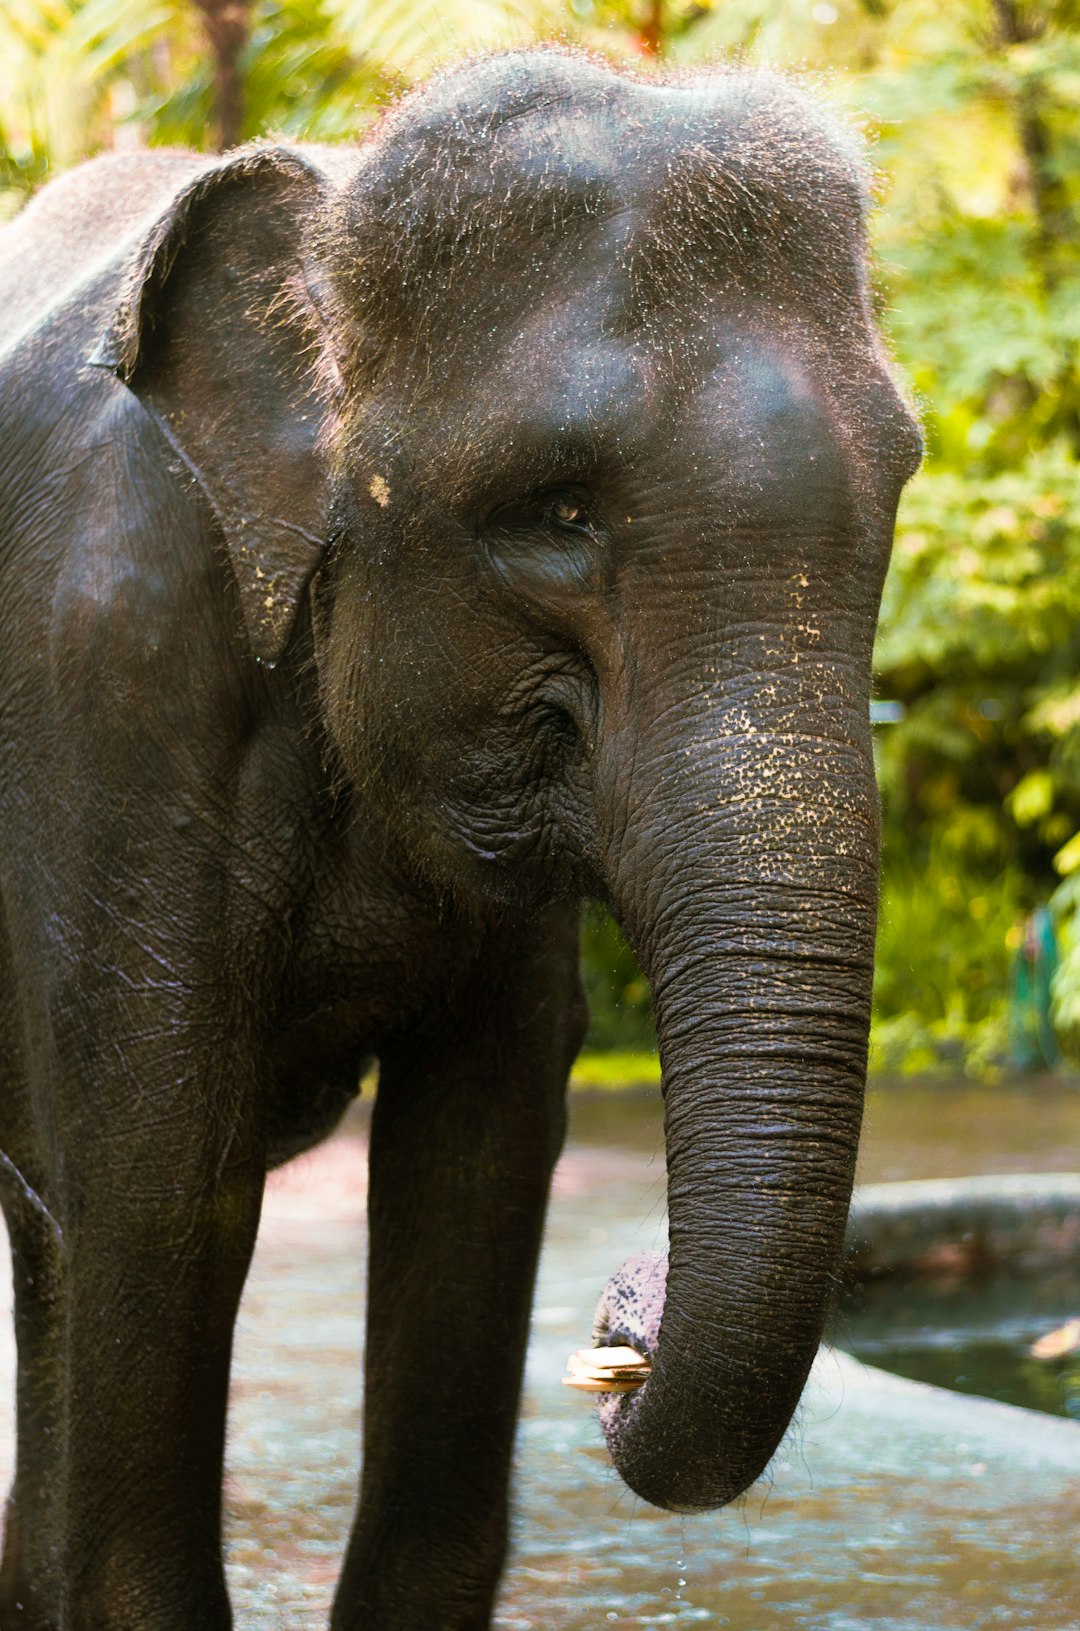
x,y
566,397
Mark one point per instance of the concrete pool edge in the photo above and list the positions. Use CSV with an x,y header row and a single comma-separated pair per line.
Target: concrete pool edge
x,y
959,1225
1037,1439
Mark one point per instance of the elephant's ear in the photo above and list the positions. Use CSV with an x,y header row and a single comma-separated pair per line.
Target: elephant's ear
x,y
217,336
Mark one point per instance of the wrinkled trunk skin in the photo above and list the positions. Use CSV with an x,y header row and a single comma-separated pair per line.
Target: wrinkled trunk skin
x,y
746,882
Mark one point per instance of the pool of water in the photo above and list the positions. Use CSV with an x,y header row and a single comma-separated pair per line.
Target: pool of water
x,y
889,1507
916,1129
970,1335
911,1129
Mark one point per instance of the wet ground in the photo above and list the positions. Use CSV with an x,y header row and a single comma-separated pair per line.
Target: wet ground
x,y
891,1507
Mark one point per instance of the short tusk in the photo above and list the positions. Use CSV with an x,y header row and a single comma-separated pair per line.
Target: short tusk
x,y
606,1370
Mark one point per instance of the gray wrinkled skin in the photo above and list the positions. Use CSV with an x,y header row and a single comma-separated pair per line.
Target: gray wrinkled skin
x,y
398,544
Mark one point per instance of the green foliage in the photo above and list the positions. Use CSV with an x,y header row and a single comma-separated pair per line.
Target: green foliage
x,y
619,1008
616,1068
980,630
56,63
303,77
79,75
980,638
946,932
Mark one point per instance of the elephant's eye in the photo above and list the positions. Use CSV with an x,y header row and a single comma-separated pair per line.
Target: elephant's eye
x,y
552,512
566,511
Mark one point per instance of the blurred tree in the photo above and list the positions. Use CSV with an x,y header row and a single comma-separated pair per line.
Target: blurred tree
x,y
77,76
226,23
619,1007
979,117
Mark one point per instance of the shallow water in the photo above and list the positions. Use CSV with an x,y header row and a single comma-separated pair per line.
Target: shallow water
x,y
973,1335
912,1128
889,1507
954,1130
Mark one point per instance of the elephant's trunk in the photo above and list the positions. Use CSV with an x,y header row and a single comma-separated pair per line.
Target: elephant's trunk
x,y
750,899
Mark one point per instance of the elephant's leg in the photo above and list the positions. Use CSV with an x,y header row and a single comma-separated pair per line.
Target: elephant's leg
x,y
467,1124
156,1189
154,1289
29,1585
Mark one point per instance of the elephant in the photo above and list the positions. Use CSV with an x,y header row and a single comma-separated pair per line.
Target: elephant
x,y
403,543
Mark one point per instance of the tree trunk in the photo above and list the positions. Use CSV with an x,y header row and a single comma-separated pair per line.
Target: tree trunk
x,y
226,24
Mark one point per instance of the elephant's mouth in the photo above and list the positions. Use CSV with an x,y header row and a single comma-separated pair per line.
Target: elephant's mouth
x,y
626,1330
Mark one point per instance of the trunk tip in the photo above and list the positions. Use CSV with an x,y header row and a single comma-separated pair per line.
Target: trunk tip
x,y
632,1304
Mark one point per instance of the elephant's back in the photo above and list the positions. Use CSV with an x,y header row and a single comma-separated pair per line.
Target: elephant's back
x,y
66,251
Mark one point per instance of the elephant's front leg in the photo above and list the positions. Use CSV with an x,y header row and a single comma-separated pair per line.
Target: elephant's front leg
x,y
154,1285
468,1122
124,1344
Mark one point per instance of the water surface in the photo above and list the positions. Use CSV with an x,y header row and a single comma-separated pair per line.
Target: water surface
x,y
889,1508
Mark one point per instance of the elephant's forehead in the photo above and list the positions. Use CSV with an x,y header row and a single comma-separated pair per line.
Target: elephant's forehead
x,y
572,255
519,175
535,123
573,366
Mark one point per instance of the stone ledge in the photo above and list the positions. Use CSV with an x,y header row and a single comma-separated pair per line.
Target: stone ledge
x,y
960,1225
868,1410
